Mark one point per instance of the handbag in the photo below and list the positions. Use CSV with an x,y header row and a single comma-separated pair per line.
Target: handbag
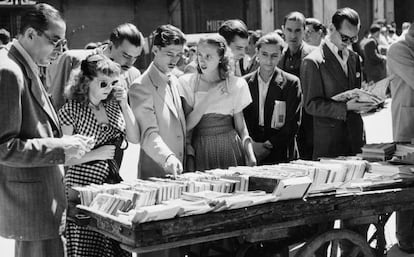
x,y
115,163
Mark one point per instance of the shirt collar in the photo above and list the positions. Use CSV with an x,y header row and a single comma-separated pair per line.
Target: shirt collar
x,y
334,49
164,76
260,78
33,66
298,52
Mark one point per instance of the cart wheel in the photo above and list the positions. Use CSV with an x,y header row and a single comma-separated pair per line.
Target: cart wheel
x,y
331,240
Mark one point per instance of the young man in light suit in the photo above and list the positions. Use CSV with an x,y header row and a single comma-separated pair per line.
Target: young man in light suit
x,y
32,195
400,58
268,84
156,104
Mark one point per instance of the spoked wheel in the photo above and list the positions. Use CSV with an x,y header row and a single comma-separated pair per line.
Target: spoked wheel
x,y
333,243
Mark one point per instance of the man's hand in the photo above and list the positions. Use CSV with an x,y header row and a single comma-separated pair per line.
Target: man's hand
x,y
260,150
354,105
76,146
173,165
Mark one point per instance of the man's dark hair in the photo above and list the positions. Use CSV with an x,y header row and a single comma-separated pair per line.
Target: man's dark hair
x,y
295,16
126,31
231,28
4,36
374,28
345,14
271,38
166,35
39,17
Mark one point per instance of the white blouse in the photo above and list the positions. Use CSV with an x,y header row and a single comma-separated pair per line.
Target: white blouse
x,y
237,98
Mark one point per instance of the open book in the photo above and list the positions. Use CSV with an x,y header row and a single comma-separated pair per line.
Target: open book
x,y
363,96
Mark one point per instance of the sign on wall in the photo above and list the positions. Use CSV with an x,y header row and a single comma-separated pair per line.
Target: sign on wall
x,y
17,2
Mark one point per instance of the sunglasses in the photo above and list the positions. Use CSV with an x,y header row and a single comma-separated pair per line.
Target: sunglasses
x,y
61,42
104,84
348,39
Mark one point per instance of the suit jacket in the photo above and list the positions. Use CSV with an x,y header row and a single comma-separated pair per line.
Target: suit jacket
x,y
59,73
374,62
32,195
400,61
283,87
161,120
336,131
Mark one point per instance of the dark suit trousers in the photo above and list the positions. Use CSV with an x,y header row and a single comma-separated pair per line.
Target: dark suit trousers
x,y
305,137
41,248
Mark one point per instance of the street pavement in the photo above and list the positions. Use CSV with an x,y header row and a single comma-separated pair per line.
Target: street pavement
x,y
378,129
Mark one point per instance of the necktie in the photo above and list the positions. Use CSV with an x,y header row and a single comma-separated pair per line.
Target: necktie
x,y
340,54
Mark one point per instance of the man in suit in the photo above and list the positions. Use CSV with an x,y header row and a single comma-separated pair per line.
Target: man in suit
x,y
32,196
268,84
294,25
329,70
237,37
124,47
156,104
374,62
326,72
400,59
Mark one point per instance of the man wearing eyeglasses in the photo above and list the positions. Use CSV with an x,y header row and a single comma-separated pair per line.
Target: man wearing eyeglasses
x,y
32,148
326,72
124,47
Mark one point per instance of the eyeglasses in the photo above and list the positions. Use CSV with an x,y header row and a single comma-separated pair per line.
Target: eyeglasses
x,y
61,42
347,39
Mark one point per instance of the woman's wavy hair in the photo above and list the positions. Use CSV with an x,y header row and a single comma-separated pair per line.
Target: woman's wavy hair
x,y
223,53
90,68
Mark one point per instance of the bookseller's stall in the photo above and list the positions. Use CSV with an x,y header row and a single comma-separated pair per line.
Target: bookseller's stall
x,y
277,204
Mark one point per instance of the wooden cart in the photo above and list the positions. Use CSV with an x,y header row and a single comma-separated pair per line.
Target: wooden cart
x,y
285,222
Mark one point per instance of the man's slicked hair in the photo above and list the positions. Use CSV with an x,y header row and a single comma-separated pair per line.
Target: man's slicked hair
x,y
345,14
231,28
295,16
126,31
39,17
166,35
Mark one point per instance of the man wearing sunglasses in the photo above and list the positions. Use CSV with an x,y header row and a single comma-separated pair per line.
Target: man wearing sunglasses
x,y
124,47
332,69
32,148
326,72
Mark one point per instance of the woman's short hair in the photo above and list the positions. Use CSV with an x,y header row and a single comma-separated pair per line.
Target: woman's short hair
x,y
271,38
316,24
90,68
219,42
166,35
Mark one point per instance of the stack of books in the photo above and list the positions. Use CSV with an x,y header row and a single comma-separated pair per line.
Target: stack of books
x,y
378,152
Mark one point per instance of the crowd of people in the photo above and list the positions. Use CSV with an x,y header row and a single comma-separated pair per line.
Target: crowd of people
x,y
236,98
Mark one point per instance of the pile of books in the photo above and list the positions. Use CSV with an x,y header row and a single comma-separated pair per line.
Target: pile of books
x,y
215,190
378,152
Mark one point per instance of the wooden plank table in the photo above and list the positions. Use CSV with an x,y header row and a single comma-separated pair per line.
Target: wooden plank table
x,y
270,221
